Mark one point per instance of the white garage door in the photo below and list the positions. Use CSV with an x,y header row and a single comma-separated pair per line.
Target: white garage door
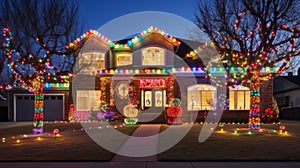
x,y
53,107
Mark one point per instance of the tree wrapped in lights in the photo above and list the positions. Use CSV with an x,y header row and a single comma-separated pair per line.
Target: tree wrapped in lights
x,y
35,35
256,39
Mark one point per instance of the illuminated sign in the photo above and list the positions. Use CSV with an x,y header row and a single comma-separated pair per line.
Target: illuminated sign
x,y
152,83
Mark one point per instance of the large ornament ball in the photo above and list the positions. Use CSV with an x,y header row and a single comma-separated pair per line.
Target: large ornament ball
x,y
282,127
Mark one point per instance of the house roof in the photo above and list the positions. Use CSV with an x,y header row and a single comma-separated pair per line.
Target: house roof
x,y
194,53
293,79
286,83
3,95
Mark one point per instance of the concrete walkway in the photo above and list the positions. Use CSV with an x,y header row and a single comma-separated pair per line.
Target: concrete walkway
x,y
142,142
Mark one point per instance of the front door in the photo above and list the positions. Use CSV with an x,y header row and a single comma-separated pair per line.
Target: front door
x,y
153,101
153,104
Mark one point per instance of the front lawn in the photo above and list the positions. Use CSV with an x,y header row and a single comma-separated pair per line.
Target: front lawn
x,y
267,144
73,144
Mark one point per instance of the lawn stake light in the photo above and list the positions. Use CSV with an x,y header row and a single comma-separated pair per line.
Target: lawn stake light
x,y
56,132
281,129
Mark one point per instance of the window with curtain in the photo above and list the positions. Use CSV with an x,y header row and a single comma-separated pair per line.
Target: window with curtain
x,y
87,100
239,98
201,97
91,61
153,56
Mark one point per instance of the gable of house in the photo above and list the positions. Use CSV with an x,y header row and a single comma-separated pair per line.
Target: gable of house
x,y
286,83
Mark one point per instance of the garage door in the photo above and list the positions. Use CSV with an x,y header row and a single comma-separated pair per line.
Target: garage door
x,y
53,107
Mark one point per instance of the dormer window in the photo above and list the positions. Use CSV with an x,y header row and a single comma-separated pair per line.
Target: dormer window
x,y
153,56
124,59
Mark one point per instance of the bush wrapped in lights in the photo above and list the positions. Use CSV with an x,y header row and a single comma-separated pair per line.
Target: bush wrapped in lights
x,y
174,112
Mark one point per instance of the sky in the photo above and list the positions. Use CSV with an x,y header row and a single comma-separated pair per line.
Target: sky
x,y
98,14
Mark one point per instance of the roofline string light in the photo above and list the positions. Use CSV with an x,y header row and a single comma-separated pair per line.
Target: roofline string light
x,y
87,34
142,35
214,71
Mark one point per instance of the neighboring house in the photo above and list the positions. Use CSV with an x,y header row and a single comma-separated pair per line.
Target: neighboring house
x,y
3,106
148,71
287,93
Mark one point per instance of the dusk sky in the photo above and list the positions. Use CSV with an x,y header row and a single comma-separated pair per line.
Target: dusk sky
x,y
97,13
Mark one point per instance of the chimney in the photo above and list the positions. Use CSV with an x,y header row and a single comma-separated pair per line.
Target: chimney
x,y
290,73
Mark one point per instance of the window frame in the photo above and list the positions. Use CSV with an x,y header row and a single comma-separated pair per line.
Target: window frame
x,y
124,53
95,62
236,98
88,95
200,105
163,56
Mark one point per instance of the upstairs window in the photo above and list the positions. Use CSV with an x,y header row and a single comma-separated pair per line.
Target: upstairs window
x,y
91,61
124,59
153,56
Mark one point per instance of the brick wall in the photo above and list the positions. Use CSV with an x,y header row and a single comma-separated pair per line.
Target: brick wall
x,y
266,95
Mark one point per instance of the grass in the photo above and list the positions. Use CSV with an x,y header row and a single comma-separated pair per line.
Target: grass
x,y
265,145
73,145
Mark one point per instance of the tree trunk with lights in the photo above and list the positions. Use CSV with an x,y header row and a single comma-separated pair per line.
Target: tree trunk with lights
x,y
38,117
254,113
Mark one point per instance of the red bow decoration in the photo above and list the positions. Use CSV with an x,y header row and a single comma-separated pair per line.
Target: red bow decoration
x,y
268,113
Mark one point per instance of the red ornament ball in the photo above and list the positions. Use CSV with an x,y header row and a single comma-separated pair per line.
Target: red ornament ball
x,y
282,127
56,131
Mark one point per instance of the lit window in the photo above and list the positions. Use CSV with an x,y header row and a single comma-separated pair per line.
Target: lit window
x,y
239,98
201,97
153,56
87,100
124,59
91,61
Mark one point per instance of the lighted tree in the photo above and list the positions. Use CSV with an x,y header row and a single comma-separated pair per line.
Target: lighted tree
x,y
255,39
35,35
